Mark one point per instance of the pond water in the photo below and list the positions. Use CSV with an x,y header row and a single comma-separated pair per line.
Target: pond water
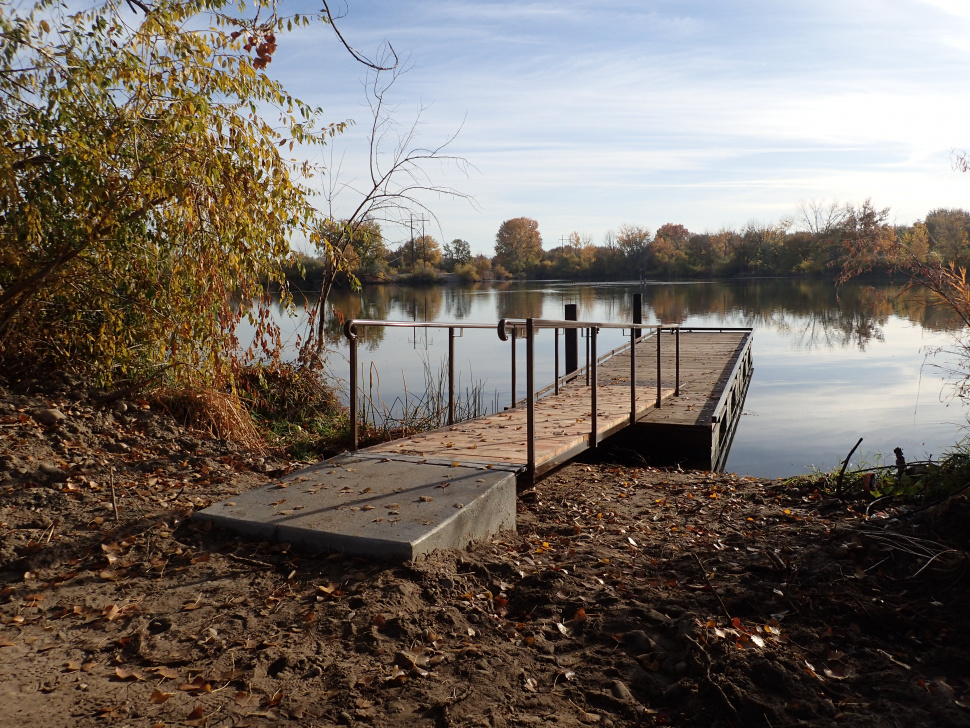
x,y
829,367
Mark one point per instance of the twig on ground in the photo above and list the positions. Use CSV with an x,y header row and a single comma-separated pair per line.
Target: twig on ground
x,y
114,495
710,680
711,587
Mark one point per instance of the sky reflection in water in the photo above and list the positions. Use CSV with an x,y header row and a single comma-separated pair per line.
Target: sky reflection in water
x,y
828,369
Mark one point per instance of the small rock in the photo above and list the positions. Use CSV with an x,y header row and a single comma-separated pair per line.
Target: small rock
x,y
639,640
51,471
50,416
621,691
120,407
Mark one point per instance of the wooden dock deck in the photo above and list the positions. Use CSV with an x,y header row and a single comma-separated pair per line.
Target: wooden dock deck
x,y
715,366
445,488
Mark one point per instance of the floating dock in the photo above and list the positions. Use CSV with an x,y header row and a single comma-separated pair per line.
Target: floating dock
x,y
696,429
447,487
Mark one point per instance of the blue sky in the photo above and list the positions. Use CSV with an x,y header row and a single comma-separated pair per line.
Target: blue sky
x,y
708,113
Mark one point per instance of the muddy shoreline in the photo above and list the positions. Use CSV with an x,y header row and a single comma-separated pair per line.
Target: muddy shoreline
x,y
628,595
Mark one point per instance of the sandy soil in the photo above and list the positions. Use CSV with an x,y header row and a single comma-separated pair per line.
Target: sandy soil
x,y
628,596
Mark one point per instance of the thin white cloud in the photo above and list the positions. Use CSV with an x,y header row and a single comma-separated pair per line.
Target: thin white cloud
x,y
699,111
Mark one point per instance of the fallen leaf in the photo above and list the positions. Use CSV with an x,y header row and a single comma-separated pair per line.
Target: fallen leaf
x,y
245,700
158,697
199,684
839,672
196,717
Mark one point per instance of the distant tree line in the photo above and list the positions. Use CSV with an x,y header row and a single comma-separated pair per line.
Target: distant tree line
x,y
817,239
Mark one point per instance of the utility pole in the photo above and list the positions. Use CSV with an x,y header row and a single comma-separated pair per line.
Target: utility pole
x,y
422,219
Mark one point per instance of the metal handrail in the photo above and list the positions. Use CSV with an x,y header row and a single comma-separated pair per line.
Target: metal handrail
x,y
350,331
532,326
742,361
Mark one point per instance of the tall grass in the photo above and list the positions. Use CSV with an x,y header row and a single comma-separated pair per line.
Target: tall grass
x,y
421,409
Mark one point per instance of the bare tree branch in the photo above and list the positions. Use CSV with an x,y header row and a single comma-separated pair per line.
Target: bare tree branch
x,y
397,184
358,56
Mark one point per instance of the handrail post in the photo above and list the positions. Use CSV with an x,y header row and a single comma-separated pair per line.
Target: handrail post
x,y
557,360
451,375
633,376
572,342
589,335
591,372
513,366
354,432
659,396
677,380
530,379
637,313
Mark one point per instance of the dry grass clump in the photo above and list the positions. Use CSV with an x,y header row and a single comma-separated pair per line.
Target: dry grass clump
x,y
211,411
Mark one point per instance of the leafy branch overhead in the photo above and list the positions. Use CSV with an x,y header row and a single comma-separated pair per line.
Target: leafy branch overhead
x,y
145,200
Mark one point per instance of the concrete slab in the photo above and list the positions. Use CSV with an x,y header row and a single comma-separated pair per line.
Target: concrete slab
x,y
375,505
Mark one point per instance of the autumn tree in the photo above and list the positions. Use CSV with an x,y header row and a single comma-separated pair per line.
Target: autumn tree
x,y
422,249
346,246
457,252
145,202
868,241
916,242
668,251
949,232
633,241
518,245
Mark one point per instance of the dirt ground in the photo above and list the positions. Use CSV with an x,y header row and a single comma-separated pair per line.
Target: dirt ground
x,y
628,596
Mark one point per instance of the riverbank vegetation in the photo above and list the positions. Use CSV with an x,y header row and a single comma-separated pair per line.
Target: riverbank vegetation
x,y
818,240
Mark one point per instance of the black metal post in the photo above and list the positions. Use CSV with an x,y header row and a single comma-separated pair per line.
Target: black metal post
x,y
572,340
354,433
659,396
451,375
637,313
591,375
677,381
513,367
557,360
530,385
633,376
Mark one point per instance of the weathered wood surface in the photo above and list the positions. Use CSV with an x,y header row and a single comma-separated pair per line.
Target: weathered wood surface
x,y
563,421
706,362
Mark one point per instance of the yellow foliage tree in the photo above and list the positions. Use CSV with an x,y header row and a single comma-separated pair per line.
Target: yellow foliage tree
x,y
145,203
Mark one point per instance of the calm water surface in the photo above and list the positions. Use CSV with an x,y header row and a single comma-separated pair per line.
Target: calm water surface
x,y
829,368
